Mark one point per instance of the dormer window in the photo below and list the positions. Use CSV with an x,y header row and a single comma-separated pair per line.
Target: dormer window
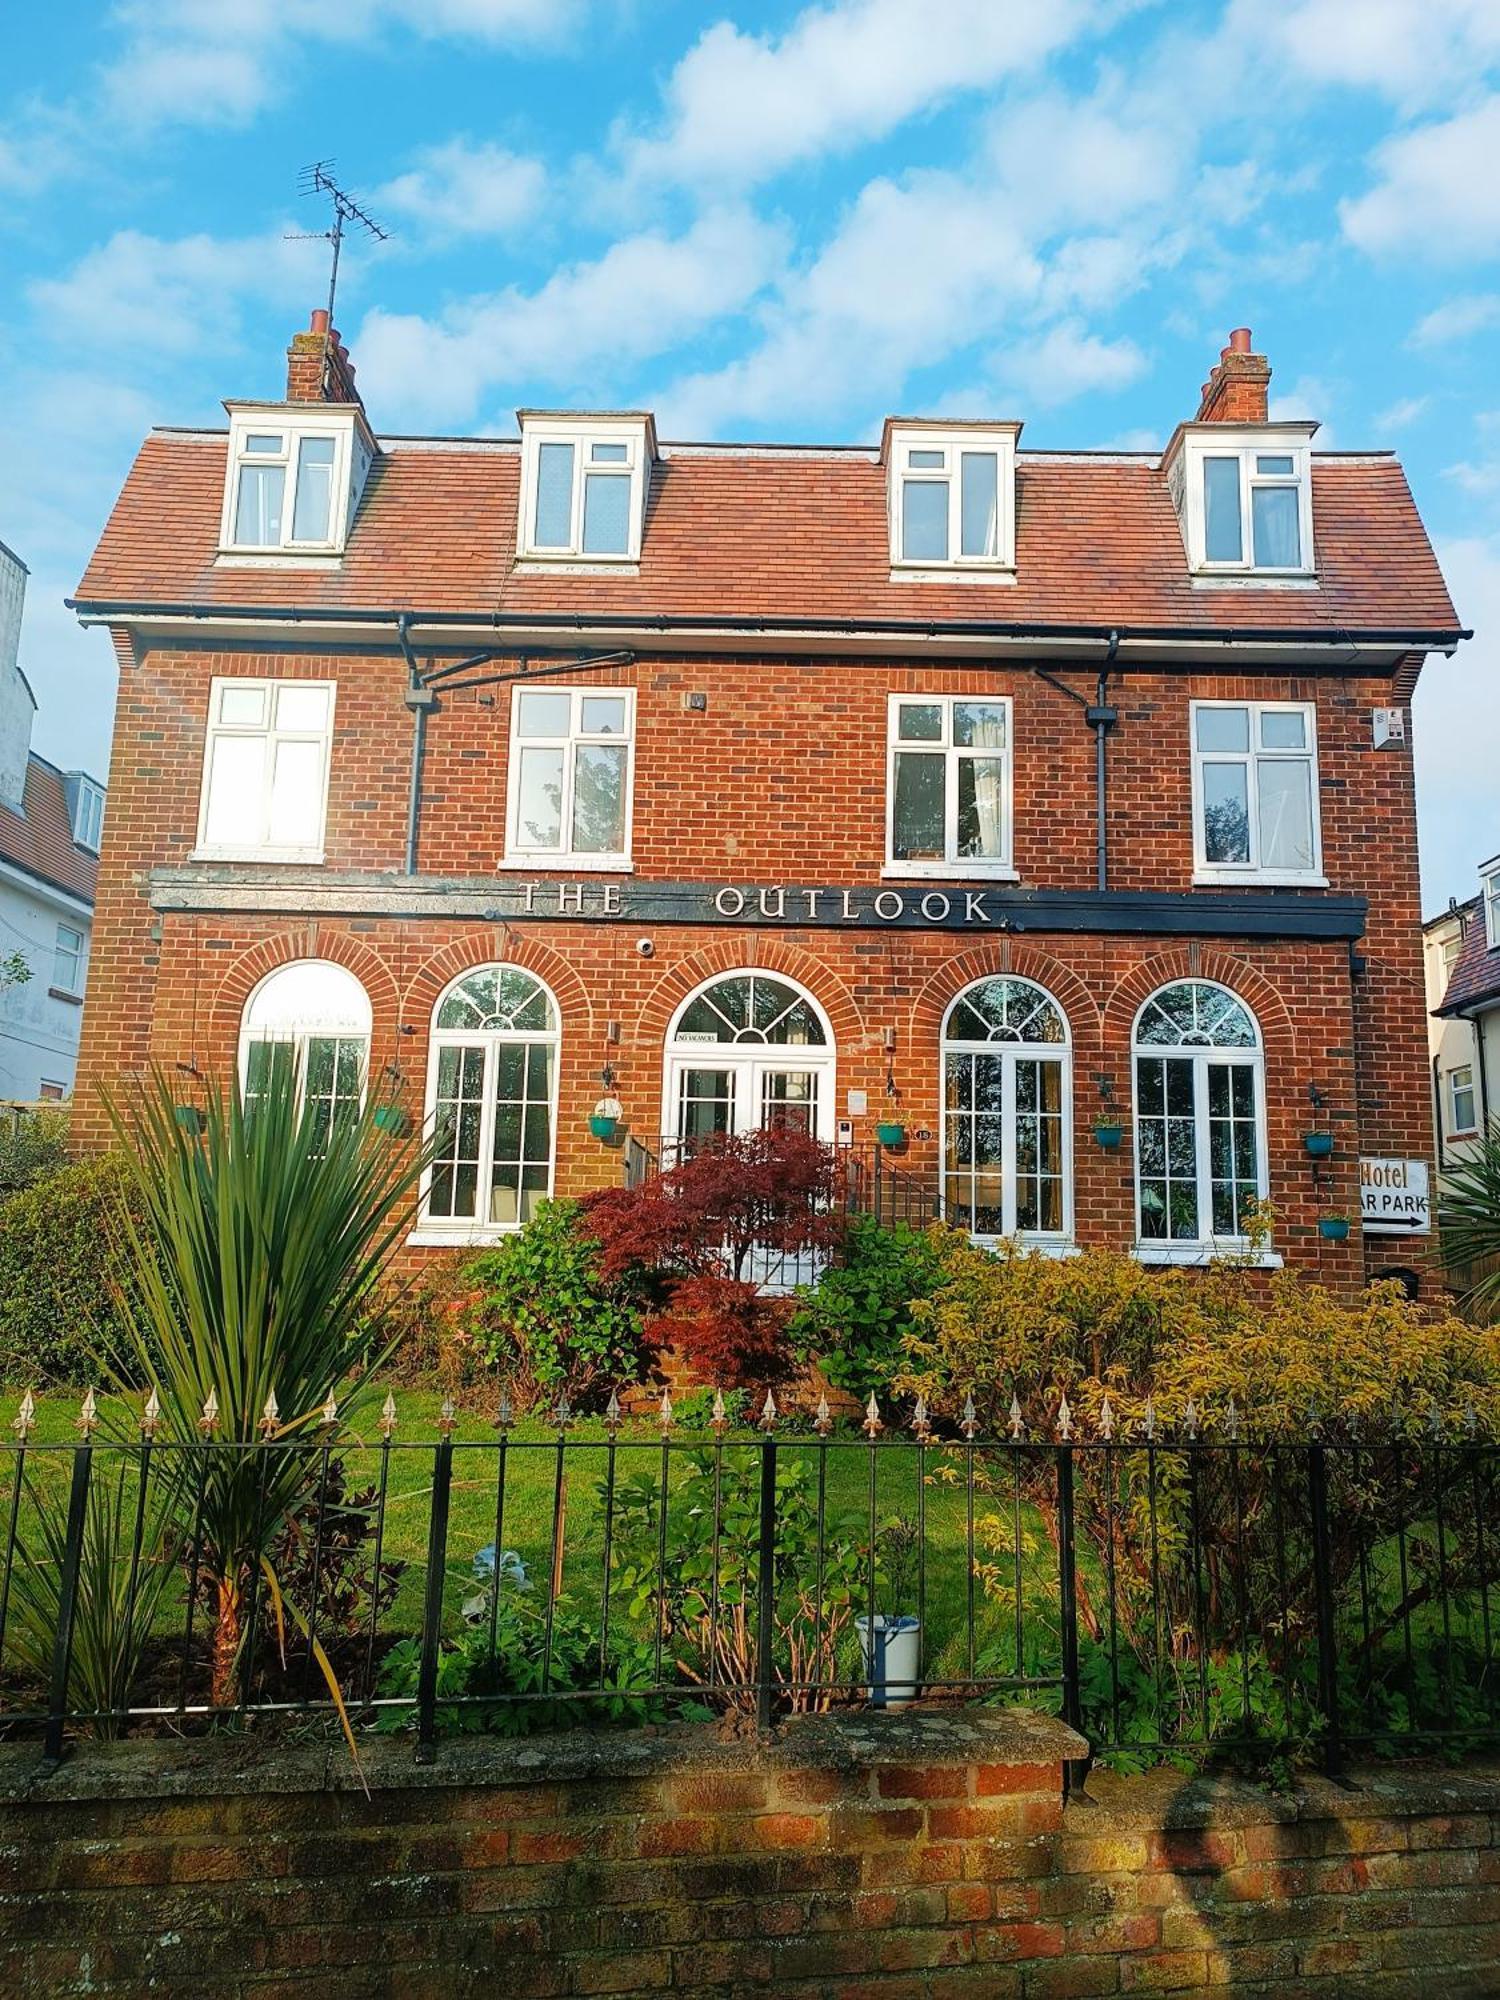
x,y
951,497
1489,882
86,807
583,486
295,477
1245,499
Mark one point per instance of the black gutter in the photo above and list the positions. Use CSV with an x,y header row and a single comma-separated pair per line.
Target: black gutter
x,y
1437,1109
567,621
420,700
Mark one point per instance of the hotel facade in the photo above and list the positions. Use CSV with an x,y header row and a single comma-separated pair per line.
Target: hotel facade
x,y
1044,819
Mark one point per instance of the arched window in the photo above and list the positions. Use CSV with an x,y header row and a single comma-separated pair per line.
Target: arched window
x,y
311,1017
1199,1115
491,1099
749,1049
1007,1090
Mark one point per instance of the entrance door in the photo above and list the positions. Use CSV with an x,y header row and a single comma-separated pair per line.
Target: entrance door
x,y
737,1093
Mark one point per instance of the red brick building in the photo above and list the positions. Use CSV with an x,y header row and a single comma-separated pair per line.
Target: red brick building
x,y
994,794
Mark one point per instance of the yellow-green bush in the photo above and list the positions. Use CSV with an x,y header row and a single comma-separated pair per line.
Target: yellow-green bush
x,y
64,1284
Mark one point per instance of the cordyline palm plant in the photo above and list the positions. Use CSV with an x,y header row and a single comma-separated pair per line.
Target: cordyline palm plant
x,y
1469,1215
258,1249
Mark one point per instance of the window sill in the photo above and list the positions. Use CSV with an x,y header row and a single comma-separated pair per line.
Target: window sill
x,y
1256,579
1203,1254
953,573
279,559
1050,1248
304,856
1257,878
1468,1132
946,871
576,565
428,1238
567,864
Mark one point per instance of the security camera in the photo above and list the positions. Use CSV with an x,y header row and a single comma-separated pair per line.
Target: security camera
x,y
645,947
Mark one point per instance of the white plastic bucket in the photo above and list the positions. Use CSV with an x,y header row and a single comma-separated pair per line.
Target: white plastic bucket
x,y
891,1648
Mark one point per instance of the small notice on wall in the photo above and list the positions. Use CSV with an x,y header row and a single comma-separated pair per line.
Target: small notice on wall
x,y
1393,1197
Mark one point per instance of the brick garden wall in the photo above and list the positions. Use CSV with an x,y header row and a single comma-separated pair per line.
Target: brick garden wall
x,y
858,1858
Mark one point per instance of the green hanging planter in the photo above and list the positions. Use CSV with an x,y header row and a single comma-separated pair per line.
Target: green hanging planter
x,y
391,1118
1333,1228
189,1118
1108,1136
891,1135
603,1127
1319,1144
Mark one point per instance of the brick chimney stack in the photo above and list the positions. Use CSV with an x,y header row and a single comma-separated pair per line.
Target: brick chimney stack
x,y
1235,393
318,368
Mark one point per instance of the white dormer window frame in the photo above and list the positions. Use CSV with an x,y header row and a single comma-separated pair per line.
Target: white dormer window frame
x,y
1489,884
1232,477
577,473
282,457
929,464
88,813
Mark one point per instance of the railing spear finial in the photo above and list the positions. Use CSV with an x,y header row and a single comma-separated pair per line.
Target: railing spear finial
x,y
1064,1419
1148,1421
330,1410
664,1411
1017,1424
920,1423
823,1421
969,1422
208,1423
1190,1421
769,1413
1232,1421
562,1416
1106,1418
151,1415
504,1411
873,1425
612,1413
87,1419
719,1416
270,1415
24,1420
387,1420
447,1416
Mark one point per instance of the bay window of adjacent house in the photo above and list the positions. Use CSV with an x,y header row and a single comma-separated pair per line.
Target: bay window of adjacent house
x,y
569,776
1199,1119
283,491
948,785
950,498
1255,791
265,770
583,491
1461,1100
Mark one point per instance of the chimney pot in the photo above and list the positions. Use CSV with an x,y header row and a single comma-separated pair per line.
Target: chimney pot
x,y
319,321
1239,341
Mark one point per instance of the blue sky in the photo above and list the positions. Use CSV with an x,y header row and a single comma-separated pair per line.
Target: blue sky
x,y
774,221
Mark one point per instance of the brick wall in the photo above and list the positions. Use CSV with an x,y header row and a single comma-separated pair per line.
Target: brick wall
x,y
923,1857
783,778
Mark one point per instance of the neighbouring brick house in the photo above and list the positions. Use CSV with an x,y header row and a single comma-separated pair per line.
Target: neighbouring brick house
x,y
992,793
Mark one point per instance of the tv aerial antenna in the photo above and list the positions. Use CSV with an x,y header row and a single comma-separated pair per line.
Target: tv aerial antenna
x,y
318,179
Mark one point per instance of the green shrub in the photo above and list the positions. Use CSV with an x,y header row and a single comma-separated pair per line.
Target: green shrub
x,y
853,1321
31,1148
544,1317
63,1286
427,1317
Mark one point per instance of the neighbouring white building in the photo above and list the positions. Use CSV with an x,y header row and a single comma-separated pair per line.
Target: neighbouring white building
x,y
50,824
1462,954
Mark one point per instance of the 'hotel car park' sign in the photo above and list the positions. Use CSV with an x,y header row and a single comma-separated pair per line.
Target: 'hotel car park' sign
x,y
1393,1197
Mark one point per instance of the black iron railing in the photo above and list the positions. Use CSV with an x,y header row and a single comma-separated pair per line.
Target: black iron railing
x,y
1165,1591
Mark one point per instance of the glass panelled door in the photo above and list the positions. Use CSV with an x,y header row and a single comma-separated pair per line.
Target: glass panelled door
x,y
749,1052
747,1096
1006,1113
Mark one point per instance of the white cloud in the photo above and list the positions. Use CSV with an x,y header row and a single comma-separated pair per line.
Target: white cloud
x,y
463,189
174,296
1401,414
1457,319
1438,196
1456,729
741,107
1410,51
644,296
1480,475
1067,361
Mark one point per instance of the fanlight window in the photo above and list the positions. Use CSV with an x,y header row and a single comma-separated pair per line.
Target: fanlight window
x,y
751,1007
1006,1095
492,1095
1199,1116
500,998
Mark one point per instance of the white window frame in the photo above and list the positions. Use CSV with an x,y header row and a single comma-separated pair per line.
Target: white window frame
x,y
517,853
266,851
901,441
1199,1249
748,1061
1221,873
952,867
74,985
1489,885
1054,1240
1227,441
444,1229
1460,1128
290,426
306,1024
582,433
88,815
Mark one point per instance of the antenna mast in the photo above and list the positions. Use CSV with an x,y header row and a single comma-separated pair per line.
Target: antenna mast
x,y
318,179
